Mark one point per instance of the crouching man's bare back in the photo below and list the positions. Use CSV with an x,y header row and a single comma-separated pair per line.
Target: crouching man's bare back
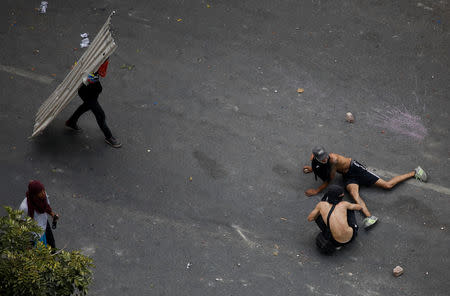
x,y
340,229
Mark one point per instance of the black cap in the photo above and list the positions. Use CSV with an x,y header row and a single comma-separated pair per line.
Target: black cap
x,y
319,153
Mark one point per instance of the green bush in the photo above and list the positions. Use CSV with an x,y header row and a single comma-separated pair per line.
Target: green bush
x,y
28,270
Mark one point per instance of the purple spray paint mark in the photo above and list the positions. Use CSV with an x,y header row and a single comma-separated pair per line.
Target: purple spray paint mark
x,y
401,122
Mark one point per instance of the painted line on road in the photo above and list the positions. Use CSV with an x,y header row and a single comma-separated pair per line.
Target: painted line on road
x,y
26,74
437,188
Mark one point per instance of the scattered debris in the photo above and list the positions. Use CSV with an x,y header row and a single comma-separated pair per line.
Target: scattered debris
x,y
43,7
397,271
125,66
188,265
85,41
300,90
419,4
349,117
275,252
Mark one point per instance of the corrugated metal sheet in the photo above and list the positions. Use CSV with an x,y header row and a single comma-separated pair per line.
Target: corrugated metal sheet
x,y
98,51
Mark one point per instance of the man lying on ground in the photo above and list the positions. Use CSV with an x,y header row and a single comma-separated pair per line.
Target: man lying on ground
x,y
355,174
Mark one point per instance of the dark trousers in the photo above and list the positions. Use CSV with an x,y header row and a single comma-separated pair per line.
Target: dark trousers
x,y
49,236
95,107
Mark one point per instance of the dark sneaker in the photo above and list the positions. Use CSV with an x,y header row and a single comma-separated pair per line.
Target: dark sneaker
x,y
73,126
113,142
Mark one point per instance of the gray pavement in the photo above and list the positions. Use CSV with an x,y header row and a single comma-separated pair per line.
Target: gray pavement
x,y
212,95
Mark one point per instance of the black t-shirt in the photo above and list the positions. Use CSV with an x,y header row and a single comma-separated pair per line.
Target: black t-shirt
x,y
90,92
323,170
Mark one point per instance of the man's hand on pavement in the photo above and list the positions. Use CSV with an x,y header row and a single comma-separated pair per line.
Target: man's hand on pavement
x,y
307,169
311,192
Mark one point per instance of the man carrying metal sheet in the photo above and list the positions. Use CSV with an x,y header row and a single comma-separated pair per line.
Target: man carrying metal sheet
x,y
89,92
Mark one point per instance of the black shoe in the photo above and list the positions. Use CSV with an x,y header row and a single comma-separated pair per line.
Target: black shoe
x,y
113,142
73,126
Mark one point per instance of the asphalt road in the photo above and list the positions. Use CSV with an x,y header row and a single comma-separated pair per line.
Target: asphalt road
x,y
208,90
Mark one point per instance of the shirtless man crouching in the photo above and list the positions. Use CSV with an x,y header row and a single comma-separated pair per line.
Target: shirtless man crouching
x,y
355,174
340,227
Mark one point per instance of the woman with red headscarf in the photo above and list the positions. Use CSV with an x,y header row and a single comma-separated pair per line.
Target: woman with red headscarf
x,y
36,206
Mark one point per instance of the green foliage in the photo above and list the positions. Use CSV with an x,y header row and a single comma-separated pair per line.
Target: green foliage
x,y
36,270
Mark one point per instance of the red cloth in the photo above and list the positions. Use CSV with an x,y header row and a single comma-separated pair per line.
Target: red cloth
x,y
34,202
103,68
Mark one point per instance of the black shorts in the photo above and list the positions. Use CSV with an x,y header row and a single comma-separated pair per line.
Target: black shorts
x,y
358,174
